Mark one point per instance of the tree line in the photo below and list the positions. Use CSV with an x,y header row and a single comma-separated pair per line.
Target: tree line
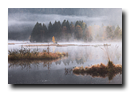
x,y
69,31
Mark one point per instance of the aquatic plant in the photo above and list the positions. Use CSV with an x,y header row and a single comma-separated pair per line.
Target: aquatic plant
x,y
105,49
110,53
62,54
27,54
102,70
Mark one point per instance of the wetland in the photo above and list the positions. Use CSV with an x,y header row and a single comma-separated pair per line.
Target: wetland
x,y
60,71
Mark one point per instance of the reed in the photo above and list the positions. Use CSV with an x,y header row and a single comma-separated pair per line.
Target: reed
x,y
27,54
102,70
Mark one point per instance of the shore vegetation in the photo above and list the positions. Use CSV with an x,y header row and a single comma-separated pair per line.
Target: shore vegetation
x,y
100,70
30,55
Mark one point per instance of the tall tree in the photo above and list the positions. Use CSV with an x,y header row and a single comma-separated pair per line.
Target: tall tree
x,y
109,32
117,32
50,26
79,32
37,33
72,28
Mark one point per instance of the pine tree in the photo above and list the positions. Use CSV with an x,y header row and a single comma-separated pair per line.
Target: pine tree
x,y
37,33
109,32
117,32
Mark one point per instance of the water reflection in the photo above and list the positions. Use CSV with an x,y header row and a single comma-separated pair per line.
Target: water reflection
x,y
68,71
85,56
26,64
77,56
109,75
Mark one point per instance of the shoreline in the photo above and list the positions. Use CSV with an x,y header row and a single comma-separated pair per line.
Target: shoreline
x,y
58,45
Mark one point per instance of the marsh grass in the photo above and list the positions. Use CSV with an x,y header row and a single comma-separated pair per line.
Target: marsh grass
x,y
27,54
101,70
111,52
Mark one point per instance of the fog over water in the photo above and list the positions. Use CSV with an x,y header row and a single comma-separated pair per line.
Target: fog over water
x,y
21,22
60,71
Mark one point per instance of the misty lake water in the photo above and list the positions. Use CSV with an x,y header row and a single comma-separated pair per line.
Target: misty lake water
x,y
60,71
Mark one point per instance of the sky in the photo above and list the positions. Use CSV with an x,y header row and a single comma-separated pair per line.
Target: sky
x,y
19,17
21,21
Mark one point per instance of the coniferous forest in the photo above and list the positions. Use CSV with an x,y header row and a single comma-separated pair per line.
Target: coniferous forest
x,y
78,31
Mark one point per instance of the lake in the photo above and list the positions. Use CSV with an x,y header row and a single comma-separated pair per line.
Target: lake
x,y
60,71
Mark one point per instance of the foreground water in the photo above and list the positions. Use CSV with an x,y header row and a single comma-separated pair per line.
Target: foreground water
x,y
60,71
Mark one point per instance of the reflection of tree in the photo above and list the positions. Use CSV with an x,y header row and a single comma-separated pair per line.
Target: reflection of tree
x,y
78,57
26,64
23,64
66,61
75,58
58,62
67,71
47,64
79,61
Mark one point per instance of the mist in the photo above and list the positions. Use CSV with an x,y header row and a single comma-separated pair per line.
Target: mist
x,y
23,20
31,19
47,45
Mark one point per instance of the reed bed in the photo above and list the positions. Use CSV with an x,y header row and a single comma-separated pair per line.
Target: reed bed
x,y
101,70
34,55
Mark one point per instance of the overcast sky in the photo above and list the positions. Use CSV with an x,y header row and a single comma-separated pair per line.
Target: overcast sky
x,y
20,17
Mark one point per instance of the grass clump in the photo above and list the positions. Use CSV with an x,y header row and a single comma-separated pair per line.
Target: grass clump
x,y
27,54
61,54
101,70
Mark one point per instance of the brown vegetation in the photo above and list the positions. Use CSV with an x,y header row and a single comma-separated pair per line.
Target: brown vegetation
x,y
101,70
11,44
26,54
